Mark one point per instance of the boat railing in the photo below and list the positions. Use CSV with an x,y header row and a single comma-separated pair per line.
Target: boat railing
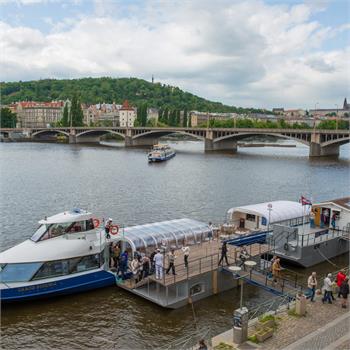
x,y
321,236
288,281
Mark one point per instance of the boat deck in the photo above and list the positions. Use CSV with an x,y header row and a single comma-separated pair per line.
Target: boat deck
x,y
203,258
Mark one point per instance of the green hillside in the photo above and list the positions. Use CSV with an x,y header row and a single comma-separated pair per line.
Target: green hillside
x,y
95,90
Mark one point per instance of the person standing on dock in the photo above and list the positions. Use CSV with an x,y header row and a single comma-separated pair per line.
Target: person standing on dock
x,y
312,219
312,284
186,251
243,256
339,280
276,270
327,286
223,254
211,231
158,260
344,292
171,257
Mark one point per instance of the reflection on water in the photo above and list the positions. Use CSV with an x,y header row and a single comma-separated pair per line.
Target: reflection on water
x,y
43,179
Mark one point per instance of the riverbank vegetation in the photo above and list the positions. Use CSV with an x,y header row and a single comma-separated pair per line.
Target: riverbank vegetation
x,y
8,119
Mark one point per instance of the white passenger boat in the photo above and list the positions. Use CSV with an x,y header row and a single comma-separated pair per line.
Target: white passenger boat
x,y
65,255
161,152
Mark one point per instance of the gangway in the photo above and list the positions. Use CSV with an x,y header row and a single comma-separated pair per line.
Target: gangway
x,y
263,279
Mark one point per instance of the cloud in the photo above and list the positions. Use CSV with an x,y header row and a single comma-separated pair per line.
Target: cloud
x,y
240,53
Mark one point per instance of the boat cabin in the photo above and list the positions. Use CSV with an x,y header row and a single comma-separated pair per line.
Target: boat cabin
x,y
333,214
68,222
260,217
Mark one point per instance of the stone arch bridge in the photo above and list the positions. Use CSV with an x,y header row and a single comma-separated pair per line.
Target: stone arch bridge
x,y
320,142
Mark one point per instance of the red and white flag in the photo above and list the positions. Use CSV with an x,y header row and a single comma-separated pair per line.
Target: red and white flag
x,y
304,201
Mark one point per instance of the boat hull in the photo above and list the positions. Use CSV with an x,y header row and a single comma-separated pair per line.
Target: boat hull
x,y
161,158
57,287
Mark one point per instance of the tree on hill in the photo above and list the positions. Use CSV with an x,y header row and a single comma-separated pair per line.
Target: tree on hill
x,y
8,119
76,113
165,117
65,118
184,121
105,89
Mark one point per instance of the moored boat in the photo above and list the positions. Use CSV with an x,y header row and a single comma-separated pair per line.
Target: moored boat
x,y
161,152
64,256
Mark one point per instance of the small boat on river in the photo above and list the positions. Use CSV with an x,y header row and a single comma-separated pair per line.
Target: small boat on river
x,y
65,255
160,153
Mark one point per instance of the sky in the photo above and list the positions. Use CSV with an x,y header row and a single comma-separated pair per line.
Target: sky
x,y
249,53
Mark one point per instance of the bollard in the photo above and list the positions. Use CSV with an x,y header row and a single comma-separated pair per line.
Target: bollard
x,y
240,325
300,304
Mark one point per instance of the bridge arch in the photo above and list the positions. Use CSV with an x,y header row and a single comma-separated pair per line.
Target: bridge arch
x,y
50,131
242,136
339,142
199,135
99,133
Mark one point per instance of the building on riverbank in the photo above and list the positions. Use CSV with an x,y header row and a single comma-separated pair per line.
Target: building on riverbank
x,y
32,114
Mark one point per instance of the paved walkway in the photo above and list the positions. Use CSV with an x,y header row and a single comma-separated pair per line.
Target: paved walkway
x,y
328,337
319,318
325,327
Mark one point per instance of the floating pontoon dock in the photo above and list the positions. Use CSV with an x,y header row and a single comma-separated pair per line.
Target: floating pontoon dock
x,y
204,276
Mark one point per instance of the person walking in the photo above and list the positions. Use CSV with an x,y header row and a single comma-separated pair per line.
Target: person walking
x,y
186,251
158,261
339,280
223,254
312,284
327,286
276,270
344,292
171,258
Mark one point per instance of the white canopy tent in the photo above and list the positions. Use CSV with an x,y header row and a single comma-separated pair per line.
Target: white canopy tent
x,y
257,216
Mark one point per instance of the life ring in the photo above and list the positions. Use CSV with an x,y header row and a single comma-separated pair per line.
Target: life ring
x,y
96,223
114,229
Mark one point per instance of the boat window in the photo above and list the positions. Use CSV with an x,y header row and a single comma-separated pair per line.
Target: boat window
x,y
60,229
18,272
67,266
87,263
89,225
39,233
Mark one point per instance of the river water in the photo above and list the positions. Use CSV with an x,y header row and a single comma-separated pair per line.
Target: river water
x,y
41,179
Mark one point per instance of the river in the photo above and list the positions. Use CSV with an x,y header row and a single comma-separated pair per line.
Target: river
x,y
41,179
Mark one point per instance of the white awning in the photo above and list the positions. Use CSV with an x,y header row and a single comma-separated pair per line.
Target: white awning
x,y
280,210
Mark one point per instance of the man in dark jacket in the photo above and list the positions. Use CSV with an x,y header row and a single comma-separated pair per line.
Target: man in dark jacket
x,y
344,292
223,253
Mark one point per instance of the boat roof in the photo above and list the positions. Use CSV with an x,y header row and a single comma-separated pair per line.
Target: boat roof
x,y
155,234
73,215
280,210
48,250
340,202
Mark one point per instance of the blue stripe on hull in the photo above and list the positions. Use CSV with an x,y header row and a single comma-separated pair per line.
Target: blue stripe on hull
x,y
161,159
77,284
